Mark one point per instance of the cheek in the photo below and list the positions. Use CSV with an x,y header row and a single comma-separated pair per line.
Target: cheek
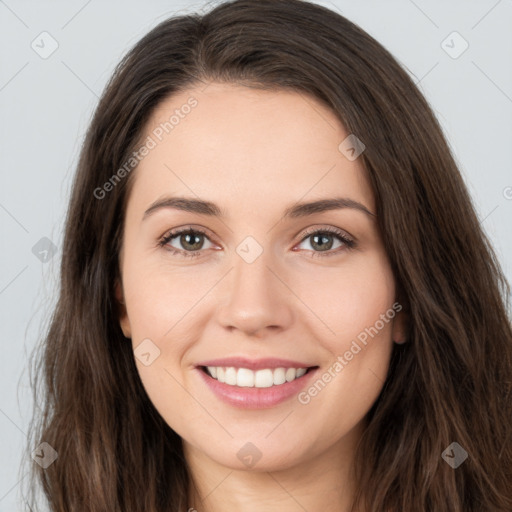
x,y
166,319
159,298
348,299
164,324
344,300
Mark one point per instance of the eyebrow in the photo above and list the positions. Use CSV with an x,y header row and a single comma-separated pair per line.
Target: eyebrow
x,y
296,211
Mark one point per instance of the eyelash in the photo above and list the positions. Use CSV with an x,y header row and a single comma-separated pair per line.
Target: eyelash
x,y
348,242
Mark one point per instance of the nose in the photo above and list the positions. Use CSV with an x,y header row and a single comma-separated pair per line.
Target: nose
x,y
256,298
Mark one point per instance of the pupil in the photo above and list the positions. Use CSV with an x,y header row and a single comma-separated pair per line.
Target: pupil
x,y
189,237
324,240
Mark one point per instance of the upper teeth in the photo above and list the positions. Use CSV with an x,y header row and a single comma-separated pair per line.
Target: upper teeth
x,y
244,377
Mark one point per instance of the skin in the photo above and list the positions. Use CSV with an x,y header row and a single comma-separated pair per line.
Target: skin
x,y
255,153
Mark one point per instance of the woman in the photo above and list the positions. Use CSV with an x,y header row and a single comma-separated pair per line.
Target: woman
x,y
275,290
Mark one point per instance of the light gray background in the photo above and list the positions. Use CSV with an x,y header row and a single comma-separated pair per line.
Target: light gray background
x,y
46,104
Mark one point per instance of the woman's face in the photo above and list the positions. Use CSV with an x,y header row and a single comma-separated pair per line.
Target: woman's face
x,y
259,290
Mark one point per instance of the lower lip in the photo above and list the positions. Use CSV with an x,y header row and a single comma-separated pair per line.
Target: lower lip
x,y
256,398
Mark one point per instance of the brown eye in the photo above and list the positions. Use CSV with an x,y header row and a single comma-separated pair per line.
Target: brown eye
x,y
322,241
190,242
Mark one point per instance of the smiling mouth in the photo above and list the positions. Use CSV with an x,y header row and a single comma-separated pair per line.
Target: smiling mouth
x,y
246,378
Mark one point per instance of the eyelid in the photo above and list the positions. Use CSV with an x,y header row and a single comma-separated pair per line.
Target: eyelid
x,y
348,240
325,229
173,233
304,233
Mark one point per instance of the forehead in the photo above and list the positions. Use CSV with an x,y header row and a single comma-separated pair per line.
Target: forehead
x,y
247,149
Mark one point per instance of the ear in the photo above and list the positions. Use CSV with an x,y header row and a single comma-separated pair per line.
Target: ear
x,y
399,330
124,322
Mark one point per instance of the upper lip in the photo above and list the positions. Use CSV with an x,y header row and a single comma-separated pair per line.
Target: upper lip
x,y
255,364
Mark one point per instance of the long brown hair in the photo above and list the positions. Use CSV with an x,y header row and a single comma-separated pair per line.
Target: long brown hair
x,y
451,382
